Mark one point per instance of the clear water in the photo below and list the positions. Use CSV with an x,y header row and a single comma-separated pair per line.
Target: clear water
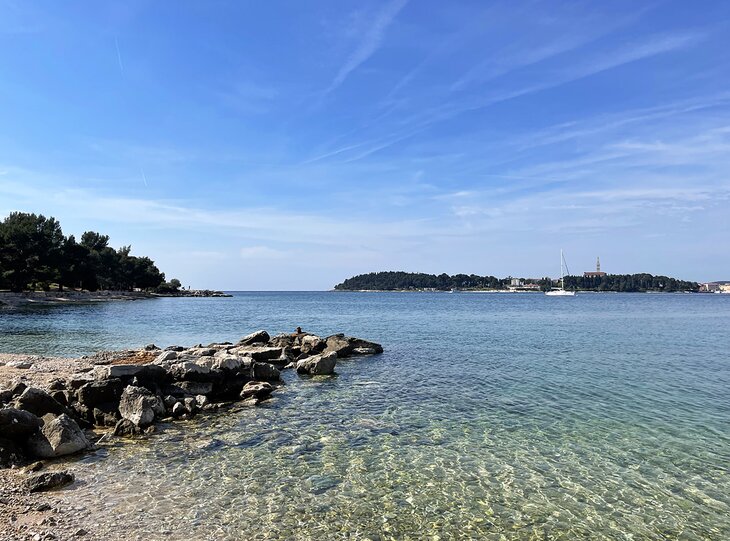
x,y
489,416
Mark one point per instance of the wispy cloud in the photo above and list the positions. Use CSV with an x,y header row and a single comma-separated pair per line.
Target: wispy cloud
x,y
370,42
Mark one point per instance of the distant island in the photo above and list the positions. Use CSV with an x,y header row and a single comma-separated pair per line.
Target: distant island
x,y
35,256
412,281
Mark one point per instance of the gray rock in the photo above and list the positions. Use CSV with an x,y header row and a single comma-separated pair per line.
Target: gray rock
x,y
126,428
140,406
165,357
265,372
190,371
258,337
105,415
178,409
318,365
58,437
190,404
201,400
259,353
17,424
128,371
38,402
175,348
364,351
20,364
256,389
48,481
169,401
102,391
151,347
185,388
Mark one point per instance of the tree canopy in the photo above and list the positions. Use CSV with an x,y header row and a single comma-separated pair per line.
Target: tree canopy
x,y
34,253
397,280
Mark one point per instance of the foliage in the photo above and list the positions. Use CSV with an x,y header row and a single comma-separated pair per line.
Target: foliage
x,y
391,281
173,286
35,253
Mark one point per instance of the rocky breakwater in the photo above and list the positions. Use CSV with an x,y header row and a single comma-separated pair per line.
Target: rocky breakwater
x,y
65,415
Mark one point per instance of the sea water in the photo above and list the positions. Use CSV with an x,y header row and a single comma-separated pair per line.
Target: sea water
x,y
489,416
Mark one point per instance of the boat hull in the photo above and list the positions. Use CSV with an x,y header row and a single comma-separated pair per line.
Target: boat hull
x,y
560,293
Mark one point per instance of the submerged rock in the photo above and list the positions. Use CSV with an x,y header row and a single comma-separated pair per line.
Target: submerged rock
x,y
58,437
48,481
318,365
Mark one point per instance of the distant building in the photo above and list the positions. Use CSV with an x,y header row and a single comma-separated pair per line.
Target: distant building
x,y
516,282
597,273
715,287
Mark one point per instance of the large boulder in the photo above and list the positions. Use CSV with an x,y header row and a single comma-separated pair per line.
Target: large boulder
x,y
48,481
140,406
258,337
265,372
318,365
256,389
99,392
38,402
59,436
18,424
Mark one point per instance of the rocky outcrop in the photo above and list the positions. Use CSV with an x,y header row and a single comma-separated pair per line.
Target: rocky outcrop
x,y
319,365
59,436
154,384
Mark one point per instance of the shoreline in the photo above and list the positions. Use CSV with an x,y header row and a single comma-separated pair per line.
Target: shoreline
x,y
58,410
48,298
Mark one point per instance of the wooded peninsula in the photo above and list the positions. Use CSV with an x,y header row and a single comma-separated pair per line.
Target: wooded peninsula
x,y
411,281
35,254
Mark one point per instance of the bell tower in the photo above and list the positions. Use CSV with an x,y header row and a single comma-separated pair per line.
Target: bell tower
x,y
598,264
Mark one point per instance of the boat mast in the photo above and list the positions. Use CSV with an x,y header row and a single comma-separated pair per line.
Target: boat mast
x,y
562,274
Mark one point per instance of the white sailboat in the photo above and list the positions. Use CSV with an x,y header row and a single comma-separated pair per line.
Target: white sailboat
x,y
561,292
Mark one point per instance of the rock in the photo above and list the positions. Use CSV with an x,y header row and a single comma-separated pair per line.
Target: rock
x,y
60,396
150,372
58,437
126,428
265,372
106,414
76,383
318,365
11,453
175,348
259,353
190,404
17,388
169,401
345,346
184,388
165,357
178,409
18,424
258,337
56,385
48,481
201,400
38,402
282,341
151,347
100,392
312,344
32,468
6,395
140,406
191,371
256,389
24,365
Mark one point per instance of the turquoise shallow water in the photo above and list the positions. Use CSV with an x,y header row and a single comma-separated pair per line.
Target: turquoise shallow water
x,y
489,416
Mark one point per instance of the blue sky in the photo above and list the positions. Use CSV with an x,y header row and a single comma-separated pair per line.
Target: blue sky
x,y
289,145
